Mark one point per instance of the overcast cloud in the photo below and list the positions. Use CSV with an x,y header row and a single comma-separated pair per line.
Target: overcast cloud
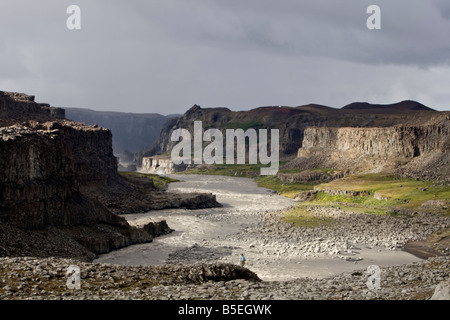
x,y
164,56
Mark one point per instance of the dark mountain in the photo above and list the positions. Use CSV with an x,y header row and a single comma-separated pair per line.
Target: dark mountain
x,y
403,106
292,121
131,131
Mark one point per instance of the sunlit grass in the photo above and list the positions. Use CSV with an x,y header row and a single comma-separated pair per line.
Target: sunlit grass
x,y
400,192
301,217
390,190
289,190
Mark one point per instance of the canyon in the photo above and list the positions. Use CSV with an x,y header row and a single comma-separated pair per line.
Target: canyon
x,y
292,121
421,151
405,138
131,132
59,183
64,201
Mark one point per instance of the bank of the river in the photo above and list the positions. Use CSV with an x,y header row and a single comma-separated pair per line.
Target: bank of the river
x,y
199,259
249,223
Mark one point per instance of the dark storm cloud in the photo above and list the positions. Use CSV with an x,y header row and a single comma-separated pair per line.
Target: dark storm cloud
x,y
413,31
164,56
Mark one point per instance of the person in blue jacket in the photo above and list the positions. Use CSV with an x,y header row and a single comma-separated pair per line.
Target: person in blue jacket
x,y
242,260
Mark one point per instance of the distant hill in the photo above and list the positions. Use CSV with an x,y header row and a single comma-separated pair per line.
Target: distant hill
x,y
292,121
131,132
403,106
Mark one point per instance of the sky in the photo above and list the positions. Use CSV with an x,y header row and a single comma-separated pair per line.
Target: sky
x,y
164,56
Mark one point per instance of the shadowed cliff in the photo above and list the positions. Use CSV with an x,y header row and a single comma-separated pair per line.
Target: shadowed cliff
x,y
56,179
292,121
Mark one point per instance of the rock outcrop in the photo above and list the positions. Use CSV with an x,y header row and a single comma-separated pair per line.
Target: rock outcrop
x,y
44,165
292,121
379,143
161,165
381,149
16,107
56,177
442,291
131,132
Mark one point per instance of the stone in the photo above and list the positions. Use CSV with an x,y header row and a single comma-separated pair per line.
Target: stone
x,y
442,291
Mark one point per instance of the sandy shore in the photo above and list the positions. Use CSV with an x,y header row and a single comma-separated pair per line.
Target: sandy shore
x,y
240,226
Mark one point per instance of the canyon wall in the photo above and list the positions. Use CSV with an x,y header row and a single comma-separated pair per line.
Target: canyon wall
x,y
378,143
416,151
16,107
161,165
43,167
59,183
291,121
131,132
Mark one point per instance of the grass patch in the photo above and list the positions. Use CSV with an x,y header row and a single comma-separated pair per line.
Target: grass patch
x,y
289,190
236,170
159,182
239,170
301,217
325,171
366,200
399,192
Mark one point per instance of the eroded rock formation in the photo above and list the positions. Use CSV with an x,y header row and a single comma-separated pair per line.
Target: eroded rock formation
x,y
161,165
56,173
377,143
292,121
416,151
131,132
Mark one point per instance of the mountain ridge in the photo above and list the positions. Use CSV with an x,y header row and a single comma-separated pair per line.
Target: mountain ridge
x,y
292,121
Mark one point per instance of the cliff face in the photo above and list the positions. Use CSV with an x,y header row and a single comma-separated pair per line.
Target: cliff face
x,y
378,143
131,132
16,107
160,165
56,178
292,121
417,151
43,168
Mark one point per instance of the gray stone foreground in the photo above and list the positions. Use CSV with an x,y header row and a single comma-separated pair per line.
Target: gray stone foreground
x,y
33,278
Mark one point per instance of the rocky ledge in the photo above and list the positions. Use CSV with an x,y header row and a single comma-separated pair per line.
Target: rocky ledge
x,y
60,189
82,242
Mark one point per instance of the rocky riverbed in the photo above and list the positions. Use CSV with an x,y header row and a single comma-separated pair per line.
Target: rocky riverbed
x,y
33,278
249,223
199,260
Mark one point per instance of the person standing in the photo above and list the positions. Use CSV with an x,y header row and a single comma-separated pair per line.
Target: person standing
x,y
242,260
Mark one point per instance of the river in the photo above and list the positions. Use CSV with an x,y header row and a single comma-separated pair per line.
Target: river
x,y
216,234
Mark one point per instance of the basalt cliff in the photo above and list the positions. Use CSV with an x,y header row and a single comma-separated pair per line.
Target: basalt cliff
x,y
131,132
291,121
406,137
419,151
60,192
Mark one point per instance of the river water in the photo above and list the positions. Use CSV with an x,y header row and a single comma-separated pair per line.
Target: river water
x,y
206,234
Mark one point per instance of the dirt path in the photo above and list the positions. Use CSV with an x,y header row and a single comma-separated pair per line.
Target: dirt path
x,y
219,234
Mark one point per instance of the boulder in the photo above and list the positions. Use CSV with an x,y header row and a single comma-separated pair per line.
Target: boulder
x,y
442,291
